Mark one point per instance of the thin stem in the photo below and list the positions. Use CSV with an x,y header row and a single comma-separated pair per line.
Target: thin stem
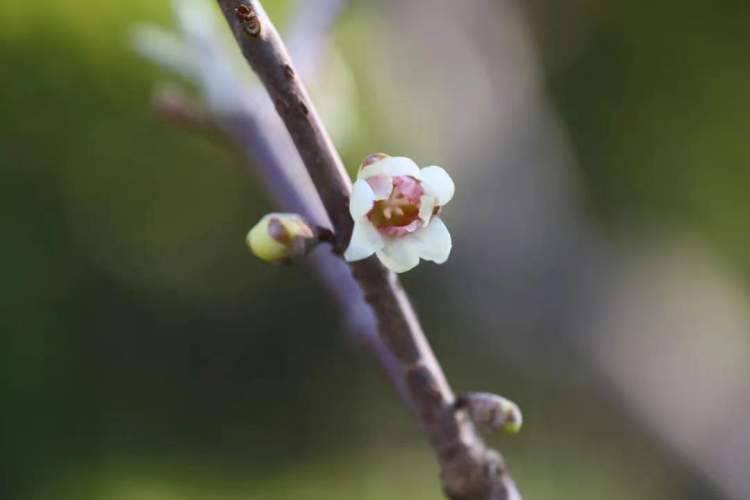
x,y
470,471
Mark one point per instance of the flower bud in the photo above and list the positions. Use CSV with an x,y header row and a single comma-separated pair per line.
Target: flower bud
x,y
278,236
491,411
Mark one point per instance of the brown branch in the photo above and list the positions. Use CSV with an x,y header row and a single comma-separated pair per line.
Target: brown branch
x,y
262,46
470,470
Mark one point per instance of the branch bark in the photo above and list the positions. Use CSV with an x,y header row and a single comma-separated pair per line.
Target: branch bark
x,y
469,469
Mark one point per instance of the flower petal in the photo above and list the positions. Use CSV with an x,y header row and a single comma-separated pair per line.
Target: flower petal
x,y
381,185
438,183
400,254
362,199
392,167
365,241
426,208
434,241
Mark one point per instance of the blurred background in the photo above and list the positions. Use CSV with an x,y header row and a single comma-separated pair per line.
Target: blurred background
x,y
599,276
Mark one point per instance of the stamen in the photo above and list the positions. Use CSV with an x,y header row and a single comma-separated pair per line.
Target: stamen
x,y
399,213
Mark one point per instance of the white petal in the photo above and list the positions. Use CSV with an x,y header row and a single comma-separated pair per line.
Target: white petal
x,y
434,241
366,240
438,183
362,199
391,166
426,207
381,185
400,254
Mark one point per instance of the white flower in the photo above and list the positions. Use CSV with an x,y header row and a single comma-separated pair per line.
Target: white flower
x,y
395,207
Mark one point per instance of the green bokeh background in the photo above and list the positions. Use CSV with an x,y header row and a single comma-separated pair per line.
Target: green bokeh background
x,y
143,353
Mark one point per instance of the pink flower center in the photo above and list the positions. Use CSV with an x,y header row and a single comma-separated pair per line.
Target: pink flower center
x,y
399,213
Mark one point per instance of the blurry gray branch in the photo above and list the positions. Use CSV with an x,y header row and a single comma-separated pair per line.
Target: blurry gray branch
x,y
245,114
374,304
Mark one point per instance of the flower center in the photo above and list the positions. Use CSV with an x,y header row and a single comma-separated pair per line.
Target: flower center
x,y
399,213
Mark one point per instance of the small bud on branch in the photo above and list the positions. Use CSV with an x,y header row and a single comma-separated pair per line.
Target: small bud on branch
x,y
491,411
281,237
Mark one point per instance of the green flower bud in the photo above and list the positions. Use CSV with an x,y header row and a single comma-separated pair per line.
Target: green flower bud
x,y
278,236
513,417
491,411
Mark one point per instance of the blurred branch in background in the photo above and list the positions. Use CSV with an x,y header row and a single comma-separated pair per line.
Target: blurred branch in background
x,y
677,353
247,116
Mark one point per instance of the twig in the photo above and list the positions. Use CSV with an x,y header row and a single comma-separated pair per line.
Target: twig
x,y
295,109
470,470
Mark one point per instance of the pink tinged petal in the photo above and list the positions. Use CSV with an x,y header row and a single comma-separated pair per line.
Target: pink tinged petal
x,y
400,254
381,185
408,187
362,199
438,183
426,208
365,241
392,166
434,241
396,231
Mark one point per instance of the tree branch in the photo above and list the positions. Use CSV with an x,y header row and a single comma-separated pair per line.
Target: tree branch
x,y
295,109
470,471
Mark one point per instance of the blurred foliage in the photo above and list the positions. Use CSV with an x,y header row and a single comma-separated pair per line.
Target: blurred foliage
x,y
142,355
657,102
